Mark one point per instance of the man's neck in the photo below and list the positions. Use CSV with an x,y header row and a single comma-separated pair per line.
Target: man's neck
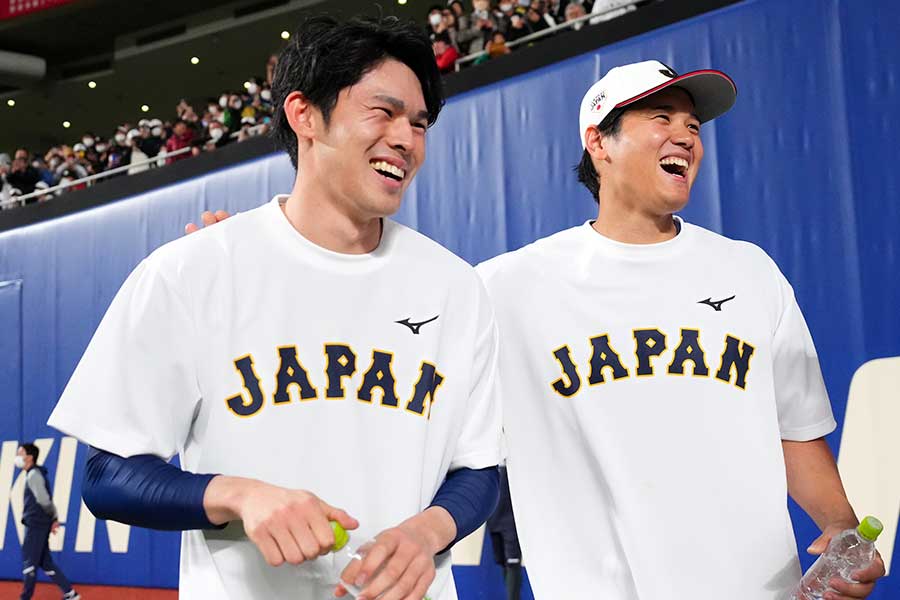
x,y
325,224
631,226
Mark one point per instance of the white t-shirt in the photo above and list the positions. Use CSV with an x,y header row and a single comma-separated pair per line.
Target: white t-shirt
x,y
168,371
646,475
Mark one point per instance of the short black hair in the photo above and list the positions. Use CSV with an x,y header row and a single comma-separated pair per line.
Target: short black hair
x,y
31,450
325,56
587,173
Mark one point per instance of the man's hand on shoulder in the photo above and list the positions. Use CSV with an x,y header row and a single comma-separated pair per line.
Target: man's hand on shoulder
x,y
207,218
286,525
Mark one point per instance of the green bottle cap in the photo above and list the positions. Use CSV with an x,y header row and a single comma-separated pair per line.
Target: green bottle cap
x,y
341,537
870,528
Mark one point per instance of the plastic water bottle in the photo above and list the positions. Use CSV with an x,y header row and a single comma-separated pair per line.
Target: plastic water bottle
x,y
848,551
342,554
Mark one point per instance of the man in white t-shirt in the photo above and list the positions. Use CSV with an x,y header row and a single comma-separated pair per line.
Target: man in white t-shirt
x,y
662,394
306,355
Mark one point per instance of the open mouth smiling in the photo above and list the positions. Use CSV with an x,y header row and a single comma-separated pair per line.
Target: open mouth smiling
x,y
675,165
388,170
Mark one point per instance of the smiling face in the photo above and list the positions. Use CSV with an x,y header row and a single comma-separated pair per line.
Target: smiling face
x,y
372,147
653,161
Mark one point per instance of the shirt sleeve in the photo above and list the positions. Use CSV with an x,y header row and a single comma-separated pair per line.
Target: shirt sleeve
x,y
479,443
804,411
35,482
135,389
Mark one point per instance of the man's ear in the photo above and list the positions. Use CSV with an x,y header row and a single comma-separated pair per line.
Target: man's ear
x,y
300,115
596,143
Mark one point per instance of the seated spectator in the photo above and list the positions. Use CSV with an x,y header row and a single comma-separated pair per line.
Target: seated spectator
x,y
503,15
265,95
434,20
575,10
45,169
151,138
182,137
459,14
481,24
72,163
217,137
68,176
22,176
444,52
602,7
451,26
538,18
518,28
495,47
233,106
137,157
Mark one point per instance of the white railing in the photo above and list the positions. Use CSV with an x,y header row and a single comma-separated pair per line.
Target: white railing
x,y
21,200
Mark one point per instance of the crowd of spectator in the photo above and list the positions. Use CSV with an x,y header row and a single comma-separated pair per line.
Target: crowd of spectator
x,y
135,147
487,27
457,29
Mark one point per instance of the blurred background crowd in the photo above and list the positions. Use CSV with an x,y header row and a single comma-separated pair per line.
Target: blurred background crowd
x,y
463,34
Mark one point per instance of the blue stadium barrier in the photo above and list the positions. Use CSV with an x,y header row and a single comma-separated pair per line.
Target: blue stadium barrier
x,y
800,167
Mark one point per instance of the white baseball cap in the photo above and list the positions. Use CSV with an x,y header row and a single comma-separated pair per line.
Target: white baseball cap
x,y
713,92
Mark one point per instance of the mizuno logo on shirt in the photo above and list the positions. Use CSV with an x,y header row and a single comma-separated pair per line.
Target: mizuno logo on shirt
x,y
415,327
716,304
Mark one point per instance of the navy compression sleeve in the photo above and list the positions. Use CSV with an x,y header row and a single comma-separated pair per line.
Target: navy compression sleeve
x,y
470,496
144,490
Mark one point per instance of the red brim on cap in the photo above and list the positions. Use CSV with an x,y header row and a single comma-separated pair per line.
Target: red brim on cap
x,y
713,92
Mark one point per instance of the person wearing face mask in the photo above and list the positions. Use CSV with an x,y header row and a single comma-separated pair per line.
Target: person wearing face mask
x,y
152,139
503,15
92,155
40,520
118,153
217,137
102,152
435,21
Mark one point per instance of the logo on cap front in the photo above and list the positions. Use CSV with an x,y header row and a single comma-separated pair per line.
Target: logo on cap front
x,y
668,71
596,103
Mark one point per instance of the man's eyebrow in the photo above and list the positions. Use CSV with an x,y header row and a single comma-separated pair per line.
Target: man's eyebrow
x,y
399,105
670,108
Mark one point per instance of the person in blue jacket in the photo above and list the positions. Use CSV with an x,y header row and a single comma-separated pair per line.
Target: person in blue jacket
x,y
40,520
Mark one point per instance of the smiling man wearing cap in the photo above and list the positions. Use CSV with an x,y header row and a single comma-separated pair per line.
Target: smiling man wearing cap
x,y
662,391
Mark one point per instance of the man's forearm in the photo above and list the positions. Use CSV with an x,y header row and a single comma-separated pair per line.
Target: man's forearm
x,y
815,484
469,497
145,491
436,526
